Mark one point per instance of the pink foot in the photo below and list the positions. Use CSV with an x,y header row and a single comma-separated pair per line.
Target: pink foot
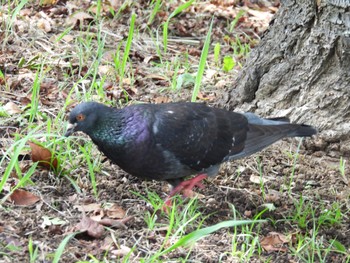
x,y
186,188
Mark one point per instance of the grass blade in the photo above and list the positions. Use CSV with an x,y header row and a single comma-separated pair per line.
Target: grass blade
x,y
166,24
61,247
127,47
202,63
201,233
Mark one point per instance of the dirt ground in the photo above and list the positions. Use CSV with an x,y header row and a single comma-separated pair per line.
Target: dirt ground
x,y
316,176
316,179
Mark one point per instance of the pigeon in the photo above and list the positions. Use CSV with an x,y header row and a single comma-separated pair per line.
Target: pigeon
x,y
172,141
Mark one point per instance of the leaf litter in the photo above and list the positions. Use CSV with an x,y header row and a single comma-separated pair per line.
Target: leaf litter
x,y
38,34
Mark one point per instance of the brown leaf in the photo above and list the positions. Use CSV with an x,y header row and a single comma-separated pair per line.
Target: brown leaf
x,y
107,243
116,4
260,15
24,198
68,38
91,227
105,70
98,215
44,25
112,223
155,77
43,156
115,211
12,108
121,252
78,19
93,207
150,58
274,242
257,179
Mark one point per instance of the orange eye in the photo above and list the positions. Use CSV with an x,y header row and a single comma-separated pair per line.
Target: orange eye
x,y
80,117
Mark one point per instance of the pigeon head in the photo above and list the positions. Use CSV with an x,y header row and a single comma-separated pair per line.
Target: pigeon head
x,y
84,117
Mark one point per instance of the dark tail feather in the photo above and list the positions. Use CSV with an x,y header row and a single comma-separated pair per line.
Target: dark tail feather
x,y
264,132
302,130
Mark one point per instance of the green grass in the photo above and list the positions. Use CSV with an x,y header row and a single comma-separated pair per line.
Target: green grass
x,y
127,48
13,14
156,7
183,216
33,252
177,11
202,63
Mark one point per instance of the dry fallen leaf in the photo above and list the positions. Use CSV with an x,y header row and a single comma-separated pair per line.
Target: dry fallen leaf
x,y
260,15
78,19
121,252
116,4
91,227
115,211
155,77
44,25
105,70
93,207
274,242
12,108
257,179
43,156
150,58
68,38
113,223
107,243
24,198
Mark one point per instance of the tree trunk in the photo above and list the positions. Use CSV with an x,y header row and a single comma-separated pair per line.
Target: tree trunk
x,y
301,69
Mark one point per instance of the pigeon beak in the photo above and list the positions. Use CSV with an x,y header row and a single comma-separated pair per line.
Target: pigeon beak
x,y
70,129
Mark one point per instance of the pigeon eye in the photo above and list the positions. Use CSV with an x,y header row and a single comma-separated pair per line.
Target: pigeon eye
x,y
80,117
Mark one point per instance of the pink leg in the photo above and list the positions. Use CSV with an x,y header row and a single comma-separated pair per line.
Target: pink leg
x,y
186,187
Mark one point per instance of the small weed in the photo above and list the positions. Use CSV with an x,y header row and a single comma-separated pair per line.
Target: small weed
x,y
234,23
330,216
294,156
228,63
217,50
92,165
302,213
261,174
33,252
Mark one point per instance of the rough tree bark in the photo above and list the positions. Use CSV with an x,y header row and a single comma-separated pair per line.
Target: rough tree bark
x,y
301,69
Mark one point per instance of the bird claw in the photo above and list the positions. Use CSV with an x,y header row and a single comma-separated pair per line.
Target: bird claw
x,y
186,188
